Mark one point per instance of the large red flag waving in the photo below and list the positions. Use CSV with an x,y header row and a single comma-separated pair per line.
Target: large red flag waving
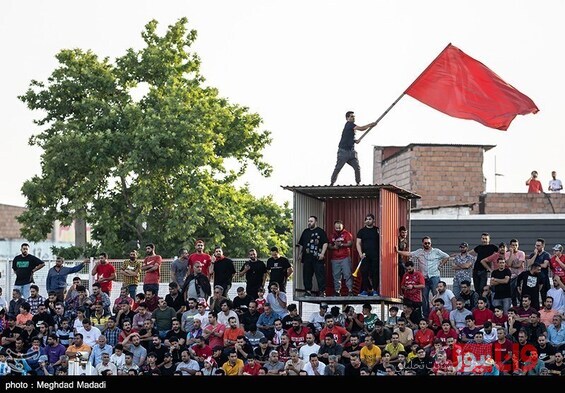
x,y
460,86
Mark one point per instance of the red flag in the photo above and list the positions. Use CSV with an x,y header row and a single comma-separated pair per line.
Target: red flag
x,y
460,86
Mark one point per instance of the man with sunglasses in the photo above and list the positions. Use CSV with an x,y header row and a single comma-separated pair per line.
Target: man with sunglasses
x,y
429,261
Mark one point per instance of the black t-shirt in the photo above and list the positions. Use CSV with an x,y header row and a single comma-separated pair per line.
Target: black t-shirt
x,y
370,241
312,241
530,284
23,267
175,303
501,291
241,304
223,272
347,141
483,251
278,270
254,275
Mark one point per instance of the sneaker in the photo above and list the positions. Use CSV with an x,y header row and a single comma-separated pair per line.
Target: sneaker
x,y
364,293
372,293
375,293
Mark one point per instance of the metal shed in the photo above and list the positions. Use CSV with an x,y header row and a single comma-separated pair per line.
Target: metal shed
x,y
350,204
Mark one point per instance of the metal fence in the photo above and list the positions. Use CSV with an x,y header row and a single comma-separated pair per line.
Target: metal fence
x,y
7,276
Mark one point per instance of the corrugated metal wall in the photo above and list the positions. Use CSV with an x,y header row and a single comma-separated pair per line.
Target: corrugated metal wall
x,y
352,212
389,222
447,234
304,207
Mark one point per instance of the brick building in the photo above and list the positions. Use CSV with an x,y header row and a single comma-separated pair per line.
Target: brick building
x,y
450,180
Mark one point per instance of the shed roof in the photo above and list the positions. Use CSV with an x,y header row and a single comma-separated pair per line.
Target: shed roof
x,y
349,192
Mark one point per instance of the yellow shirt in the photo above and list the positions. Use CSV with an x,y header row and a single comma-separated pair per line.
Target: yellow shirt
x,y
394,350
233,370
370,357
132,266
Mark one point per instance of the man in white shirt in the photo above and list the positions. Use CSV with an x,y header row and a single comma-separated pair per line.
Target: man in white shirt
x,y
309,348
555,184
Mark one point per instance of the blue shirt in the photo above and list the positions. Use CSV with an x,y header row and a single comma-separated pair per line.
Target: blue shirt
x,y
58,279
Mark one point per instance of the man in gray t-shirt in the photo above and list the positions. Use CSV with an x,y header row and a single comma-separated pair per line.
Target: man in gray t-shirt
x,y
179,268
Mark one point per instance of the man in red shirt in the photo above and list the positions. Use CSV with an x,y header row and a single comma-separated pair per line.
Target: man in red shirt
x,y
340,335
200,256
104,273
340,256
412,284
152,268
534,185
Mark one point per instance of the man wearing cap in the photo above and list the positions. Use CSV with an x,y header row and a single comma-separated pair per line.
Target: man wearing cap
x,y
557,263
463,267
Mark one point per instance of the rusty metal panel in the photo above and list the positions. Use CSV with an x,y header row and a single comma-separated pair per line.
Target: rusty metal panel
x,y
304,207
352,212
389,222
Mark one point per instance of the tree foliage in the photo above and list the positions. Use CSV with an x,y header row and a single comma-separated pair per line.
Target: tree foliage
x,y
157,168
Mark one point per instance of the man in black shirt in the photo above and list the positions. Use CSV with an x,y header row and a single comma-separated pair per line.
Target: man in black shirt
x,y
24,265
279,269
482,251
368,247
255,272
312,248
346,153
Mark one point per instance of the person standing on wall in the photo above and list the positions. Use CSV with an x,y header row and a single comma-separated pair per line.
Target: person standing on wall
x,y
346,153
368,247
555,184
24,265
534,185
312,248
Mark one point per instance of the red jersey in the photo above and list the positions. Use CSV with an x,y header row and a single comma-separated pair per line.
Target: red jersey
x,y
298,338
342,252
105,270
416,278
153,276
556,268
204,259
423,338
481,316
338,332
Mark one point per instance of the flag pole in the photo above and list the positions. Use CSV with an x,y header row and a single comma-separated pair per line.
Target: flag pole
x,y
379,119
402,95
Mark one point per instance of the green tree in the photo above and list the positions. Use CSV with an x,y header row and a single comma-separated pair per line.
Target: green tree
x,y
144,151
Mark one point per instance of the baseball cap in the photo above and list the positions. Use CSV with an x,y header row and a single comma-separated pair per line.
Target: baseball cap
x,y
323,305
464,244
558,247
263,340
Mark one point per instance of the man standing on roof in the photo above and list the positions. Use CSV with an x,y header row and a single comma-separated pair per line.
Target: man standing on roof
x,y
346,153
